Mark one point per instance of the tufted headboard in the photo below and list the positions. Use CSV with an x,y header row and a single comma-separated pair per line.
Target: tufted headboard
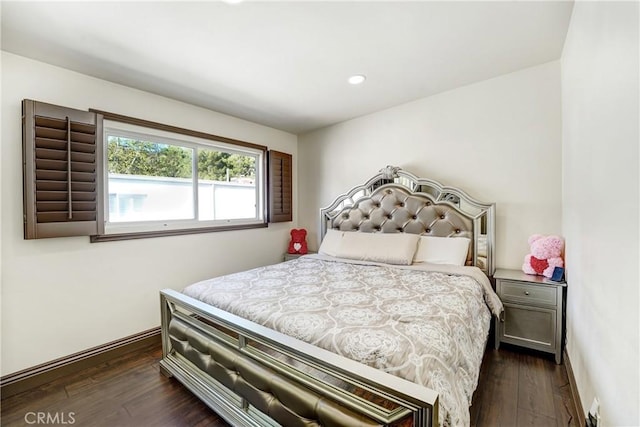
x,y
395,201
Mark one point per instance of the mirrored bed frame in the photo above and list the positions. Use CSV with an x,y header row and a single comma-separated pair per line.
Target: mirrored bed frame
x,y
254,376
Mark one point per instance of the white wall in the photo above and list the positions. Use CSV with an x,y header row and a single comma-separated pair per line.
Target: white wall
x,y
61,296
600,219
1,207
500,140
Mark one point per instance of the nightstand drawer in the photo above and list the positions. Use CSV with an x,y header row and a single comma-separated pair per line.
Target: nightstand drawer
x,y
529,326
527,293
289,257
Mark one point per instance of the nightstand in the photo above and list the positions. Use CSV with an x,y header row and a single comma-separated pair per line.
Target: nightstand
x,y
533,311
289,257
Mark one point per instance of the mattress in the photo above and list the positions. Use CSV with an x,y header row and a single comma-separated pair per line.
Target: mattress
x,y
425,323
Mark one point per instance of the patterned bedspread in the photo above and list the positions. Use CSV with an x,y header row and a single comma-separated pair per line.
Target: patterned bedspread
x,y
416,322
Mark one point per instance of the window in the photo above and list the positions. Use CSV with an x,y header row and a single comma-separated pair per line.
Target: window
x,y
158,180
112,177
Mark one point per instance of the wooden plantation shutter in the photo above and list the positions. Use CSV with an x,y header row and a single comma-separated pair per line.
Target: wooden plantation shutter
x,y
280,176
62,171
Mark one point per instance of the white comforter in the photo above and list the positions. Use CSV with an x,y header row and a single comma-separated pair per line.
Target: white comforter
x,y
425,323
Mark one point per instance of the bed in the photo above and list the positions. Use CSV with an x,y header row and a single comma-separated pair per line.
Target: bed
x,y
386,325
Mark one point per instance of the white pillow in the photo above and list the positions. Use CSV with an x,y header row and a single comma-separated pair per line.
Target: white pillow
x,y
442,250
390,248
330,242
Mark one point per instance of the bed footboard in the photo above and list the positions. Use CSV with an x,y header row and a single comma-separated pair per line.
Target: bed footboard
x,y
254,376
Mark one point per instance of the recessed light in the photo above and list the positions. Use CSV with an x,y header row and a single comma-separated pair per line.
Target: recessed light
x,y
357,79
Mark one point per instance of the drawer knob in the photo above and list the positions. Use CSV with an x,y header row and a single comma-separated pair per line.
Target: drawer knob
x,y
526,292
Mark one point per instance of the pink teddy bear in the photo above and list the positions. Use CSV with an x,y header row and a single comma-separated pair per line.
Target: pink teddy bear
x,y
545,256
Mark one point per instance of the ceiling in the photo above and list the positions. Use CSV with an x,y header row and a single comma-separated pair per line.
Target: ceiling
x,y
286,64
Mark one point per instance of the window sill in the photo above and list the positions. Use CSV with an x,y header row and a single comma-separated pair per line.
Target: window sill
x,y
162,233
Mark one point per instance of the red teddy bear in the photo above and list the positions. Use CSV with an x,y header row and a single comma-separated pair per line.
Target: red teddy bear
x,y
298,243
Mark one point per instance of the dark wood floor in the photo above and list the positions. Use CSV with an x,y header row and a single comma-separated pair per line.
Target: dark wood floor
x,y
515,389
518,387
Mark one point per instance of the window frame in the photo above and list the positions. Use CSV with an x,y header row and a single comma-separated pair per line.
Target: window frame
x,y
146,229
